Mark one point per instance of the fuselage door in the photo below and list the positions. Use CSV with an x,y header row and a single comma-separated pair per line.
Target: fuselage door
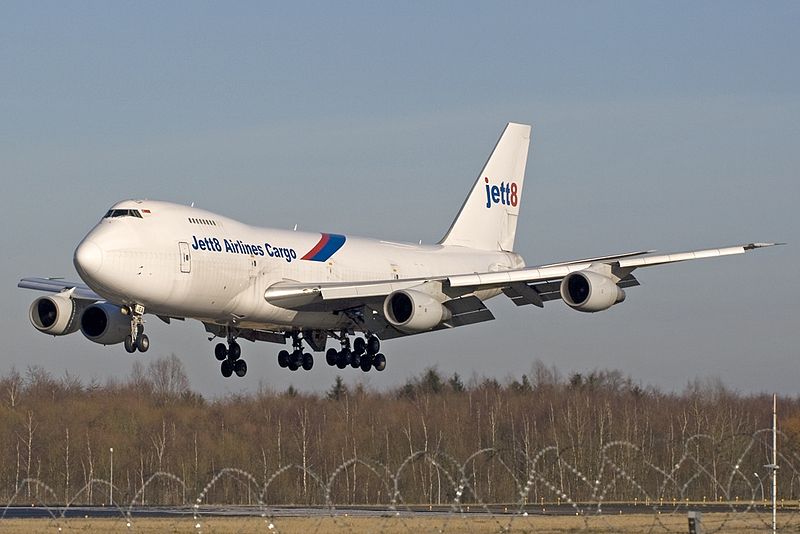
x,y
186,258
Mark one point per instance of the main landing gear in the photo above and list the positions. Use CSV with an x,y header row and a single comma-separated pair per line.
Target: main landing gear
x,y
297,358
364,354
137,339
230,356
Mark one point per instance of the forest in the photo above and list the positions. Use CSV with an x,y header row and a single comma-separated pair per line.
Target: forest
x,y
541,437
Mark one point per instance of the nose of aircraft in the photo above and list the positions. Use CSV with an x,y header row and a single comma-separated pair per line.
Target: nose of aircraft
x,y
88,258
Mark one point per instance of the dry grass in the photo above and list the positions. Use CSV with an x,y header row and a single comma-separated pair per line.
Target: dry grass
x,y
400,525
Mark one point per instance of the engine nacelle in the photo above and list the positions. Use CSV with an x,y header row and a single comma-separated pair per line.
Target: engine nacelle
x,y
57,315
587,291
104,323
413,311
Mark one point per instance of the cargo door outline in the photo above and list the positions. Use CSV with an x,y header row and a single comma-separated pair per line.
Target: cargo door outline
x,y
186,257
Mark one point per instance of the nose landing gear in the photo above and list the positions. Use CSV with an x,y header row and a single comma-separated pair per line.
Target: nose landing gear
x,y
137,339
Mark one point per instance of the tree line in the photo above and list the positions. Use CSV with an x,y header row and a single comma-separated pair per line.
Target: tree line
x,y
541,437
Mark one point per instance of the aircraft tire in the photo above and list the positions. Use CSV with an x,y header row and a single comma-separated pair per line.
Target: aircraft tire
x,y
226,368
331,356
220,351
373,345
359,345
355,360
366,364
130,346
293,366
308,361
240,368
296,359
380,362
342,358
234,351
143,343
283,358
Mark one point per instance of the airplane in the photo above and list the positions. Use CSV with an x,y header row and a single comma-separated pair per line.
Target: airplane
x,y
180,262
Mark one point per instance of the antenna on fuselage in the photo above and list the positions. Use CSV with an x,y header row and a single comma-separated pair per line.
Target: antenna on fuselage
x,y
295,228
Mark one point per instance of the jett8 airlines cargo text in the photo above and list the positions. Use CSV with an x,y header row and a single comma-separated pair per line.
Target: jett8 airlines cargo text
x,y
244,282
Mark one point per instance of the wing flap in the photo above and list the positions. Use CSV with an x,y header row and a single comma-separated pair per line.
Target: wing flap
x,y
468,318
466,310
601,259
524,294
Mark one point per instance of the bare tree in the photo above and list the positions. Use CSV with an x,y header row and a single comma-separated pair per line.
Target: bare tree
x,y
160,444
571,424
12,385
302,437
168,377
90,476
27,438
66,464
138,378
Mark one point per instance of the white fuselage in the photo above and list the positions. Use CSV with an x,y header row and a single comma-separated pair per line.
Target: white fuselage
x,y
179,261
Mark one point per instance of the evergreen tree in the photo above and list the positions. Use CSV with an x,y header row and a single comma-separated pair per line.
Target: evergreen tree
x,y
339,389
431,381
455,383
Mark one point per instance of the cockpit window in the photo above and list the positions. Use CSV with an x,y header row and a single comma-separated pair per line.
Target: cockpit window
x,y
111,214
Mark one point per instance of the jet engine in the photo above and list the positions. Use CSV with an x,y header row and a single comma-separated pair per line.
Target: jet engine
x,y
104,323
587,291
413,311
57,315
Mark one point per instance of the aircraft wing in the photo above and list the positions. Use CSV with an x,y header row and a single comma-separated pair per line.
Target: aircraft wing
x,y
622,266
79,290
530,285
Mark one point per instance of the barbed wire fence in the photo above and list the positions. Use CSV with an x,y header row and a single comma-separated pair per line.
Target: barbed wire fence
x,y
551,484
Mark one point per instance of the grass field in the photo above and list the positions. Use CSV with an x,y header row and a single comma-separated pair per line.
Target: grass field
x,y
398,525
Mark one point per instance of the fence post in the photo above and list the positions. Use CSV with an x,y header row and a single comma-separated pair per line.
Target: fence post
x,y
695,523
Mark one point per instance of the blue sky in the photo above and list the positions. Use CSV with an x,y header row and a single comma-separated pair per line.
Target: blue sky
x,y
656,125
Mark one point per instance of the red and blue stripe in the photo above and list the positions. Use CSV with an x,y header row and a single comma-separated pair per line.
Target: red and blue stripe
x,y
325,248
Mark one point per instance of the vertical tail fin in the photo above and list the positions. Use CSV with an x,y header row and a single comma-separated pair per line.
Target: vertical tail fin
x,y
488,218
